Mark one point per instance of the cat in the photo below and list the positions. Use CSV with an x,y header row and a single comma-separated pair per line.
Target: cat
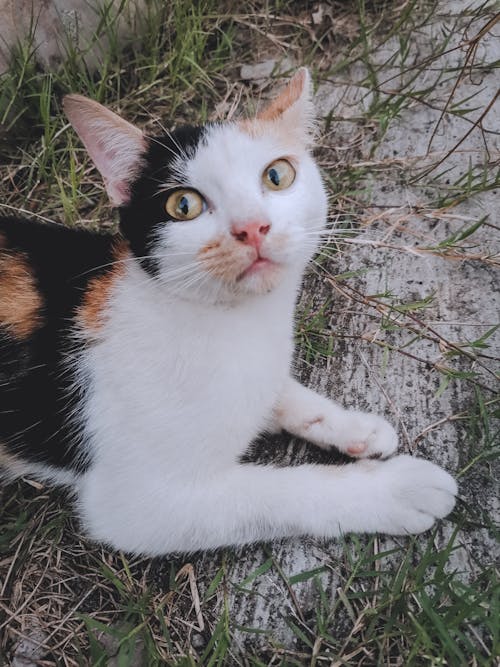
x,y
136,369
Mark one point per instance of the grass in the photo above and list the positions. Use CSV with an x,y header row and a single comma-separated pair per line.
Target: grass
x,y
397,210
164,67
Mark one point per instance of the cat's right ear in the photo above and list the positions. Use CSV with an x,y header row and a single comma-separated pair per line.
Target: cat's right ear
x,y
115,146
293,108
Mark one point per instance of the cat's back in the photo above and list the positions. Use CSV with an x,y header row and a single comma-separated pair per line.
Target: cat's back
x,y
57,258
46,272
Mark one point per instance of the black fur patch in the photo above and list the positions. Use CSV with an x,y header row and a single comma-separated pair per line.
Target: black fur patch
x,y
35,376
140,219
283,450
37,381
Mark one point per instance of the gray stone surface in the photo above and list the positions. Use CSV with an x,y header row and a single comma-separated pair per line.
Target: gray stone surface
x,y
53,26
398,372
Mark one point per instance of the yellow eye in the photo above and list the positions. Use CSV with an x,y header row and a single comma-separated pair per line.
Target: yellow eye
x,y
184,205
278,175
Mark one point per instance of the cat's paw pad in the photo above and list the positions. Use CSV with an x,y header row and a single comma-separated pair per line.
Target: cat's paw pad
x,y
365,435
419,493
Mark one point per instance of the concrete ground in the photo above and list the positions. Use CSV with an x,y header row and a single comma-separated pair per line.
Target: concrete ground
x,y
415,297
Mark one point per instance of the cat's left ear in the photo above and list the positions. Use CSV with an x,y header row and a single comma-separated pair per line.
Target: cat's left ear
x,y
115,146
293,107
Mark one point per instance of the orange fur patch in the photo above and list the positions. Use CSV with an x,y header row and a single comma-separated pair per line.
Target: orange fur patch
x,y
288,96
20,301
256,128
253,127
225,259
91,314
295,130
209,247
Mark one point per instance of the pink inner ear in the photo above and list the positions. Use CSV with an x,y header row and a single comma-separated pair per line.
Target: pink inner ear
x,y
119,193
115,146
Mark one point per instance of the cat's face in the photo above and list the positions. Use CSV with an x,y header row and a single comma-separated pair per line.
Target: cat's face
x,y
223,211
233,217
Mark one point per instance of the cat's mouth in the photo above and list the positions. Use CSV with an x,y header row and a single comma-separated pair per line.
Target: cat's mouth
x,y
251,269
258,265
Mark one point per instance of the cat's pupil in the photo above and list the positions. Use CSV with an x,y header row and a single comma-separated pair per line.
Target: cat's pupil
x,y
274,177
184,205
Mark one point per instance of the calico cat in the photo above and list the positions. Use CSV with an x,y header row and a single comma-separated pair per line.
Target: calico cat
x,y
136,369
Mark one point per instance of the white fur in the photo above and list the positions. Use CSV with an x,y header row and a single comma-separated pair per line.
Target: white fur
x,y
190,367
12,468
321,421
183,378
228,170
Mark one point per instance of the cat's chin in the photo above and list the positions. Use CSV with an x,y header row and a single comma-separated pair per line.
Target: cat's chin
x,y
258,266
262,276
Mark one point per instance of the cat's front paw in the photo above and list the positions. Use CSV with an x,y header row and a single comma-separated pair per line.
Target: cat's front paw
x,y
358,434
412,494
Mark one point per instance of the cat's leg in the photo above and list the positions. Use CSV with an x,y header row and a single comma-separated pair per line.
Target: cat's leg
x,y
151,514
309,415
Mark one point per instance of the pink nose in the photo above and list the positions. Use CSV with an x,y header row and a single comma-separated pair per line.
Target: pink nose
x,y
250,233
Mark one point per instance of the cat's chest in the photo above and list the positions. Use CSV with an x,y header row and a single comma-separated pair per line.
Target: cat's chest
x,y
185,345
181,371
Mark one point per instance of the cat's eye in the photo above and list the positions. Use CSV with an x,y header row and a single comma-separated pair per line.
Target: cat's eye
x,y
278,175
184,205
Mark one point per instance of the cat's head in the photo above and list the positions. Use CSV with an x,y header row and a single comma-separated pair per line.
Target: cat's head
x,y
216,212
